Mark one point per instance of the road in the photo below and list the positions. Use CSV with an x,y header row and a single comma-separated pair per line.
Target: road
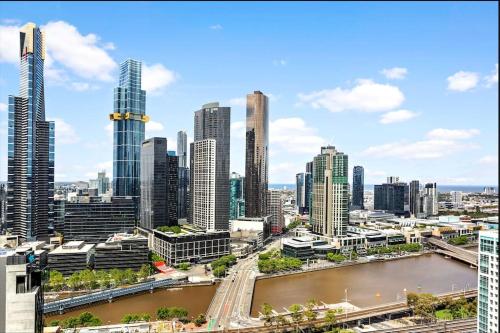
x,y
230,307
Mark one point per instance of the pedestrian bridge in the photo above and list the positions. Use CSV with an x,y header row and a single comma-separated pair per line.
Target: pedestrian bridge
x,y
454,251
105,295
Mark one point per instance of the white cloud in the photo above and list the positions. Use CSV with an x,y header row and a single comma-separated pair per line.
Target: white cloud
x,y
3,107
294,136
489,160
154,127
82,54
216,27
82,86
397,116
449,134
280,62
64,132
462,81
425,149
366,96
492,79
395,73
238,129
156,77
238,101
109,130
283,172
9,37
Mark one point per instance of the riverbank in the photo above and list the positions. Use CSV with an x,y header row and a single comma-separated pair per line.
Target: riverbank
x,y
328,265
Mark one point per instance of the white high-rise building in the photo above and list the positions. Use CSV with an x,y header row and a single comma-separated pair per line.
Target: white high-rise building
x,y
432,207
203,184
456,197
275,211
487,305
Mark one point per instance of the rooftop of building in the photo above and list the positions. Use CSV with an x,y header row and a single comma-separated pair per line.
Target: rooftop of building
x,y
493,233
73,247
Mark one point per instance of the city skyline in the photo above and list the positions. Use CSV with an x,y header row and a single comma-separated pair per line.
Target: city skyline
x,y
450,106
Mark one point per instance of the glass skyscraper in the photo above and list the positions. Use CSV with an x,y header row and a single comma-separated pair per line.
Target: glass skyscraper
x,y
257,153
30,153
182,196
236,196
358,187
129,119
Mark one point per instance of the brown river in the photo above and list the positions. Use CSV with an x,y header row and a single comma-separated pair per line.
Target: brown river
x,y
366,284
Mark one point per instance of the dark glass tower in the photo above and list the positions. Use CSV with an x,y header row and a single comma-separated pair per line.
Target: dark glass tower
x,y
358,187
256,164
129,119
172,187
30,180
236,192
414,197
213,122
154,212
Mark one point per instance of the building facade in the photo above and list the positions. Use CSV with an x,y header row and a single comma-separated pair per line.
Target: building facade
x,y
154,210
213,122
330,198
182,197
236,196
358,187
257,151
30,152
203,184
275,211
96,221
390,197
414,197
122,251
129,118
431,198
172,188
487,305
21,291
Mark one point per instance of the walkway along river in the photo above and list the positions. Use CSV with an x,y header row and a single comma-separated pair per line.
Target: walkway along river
x,y
367,284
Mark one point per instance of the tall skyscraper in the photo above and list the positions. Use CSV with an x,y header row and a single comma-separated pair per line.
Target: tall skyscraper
x,y
172,187
30,152
129,118
430,192
358,187
303,191
414,197
456,197
203,184
213,122
256,164
182,148
182,196
236,196
275,211
392,179
487,300
309,186
154,211
330,199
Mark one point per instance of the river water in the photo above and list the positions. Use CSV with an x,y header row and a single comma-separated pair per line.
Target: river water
x,y
367,284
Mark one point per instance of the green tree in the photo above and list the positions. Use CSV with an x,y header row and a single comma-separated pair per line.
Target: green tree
x,y
267,311
54,323
337,258
88,279
220,271
184,266
102,278
144,272
200,320
146,316
331,318
425,307
56,280
74,281
296,313
411,299
130,276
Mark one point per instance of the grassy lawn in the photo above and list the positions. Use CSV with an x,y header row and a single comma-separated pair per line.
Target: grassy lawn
x,y
444,314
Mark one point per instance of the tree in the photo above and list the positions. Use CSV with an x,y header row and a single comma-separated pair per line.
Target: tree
x,y
184,266
54,323
220,271
295,313
267,311
331,318
146,316
102,278
74,281
56,280
130,276
88,279
144,272
411,299
425,307
200,320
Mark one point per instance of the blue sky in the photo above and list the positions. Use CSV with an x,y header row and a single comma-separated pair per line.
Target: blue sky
x,y
405,89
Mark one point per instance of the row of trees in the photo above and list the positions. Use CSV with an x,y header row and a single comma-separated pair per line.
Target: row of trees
x,y
300,314
85,319
273,262
425,306
90,279
460,240
220,265
165,313
413,247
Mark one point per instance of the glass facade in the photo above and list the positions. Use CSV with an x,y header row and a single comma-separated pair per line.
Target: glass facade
x,y
358,187
30,152
257,153
182,196
487,304
236,198
129,119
